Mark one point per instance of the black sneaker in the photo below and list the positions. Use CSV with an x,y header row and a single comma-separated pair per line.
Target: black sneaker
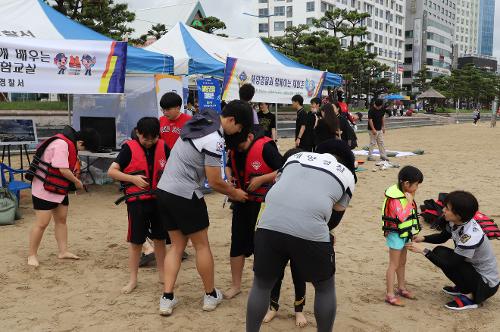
x,y
185,255
461,302
451,290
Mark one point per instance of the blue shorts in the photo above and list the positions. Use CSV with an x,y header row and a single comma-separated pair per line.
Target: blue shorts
x,y
395,242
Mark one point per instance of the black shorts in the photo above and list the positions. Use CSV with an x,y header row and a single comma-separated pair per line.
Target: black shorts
x,y
314,261
41,204
143,222
178,213
243,228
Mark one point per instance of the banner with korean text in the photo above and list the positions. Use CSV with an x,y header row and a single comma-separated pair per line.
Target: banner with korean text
x,y
62,66
169,83
272,83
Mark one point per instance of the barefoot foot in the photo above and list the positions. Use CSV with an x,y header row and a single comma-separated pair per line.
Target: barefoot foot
x,y
33,261
232,292
129,287
67,255
270,316
300,319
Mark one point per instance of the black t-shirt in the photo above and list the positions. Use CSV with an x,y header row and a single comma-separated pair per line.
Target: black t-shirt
x,y
376,116
125,156
300,121
270,153
267,122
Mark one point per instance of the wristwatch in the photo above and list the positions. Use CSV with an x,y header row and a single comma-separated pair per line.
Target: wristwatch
x,y
426,251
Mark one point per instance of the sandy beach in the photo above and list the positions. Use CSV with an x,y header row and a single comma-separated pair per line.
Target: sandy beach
x,y
85,295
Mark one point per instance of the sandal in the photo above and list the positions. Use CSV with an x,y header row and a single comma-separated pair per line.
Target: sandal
x,y
394,300
406,294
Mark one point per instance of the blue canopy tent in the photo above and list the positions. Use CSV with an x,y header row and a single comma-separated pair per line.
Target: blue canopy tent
x,y
196,52
44,22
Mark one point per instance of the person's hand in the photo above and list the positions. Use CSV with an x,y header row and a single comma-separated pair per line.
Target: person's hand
x,y
409,197
140,181
79,184
415,247
297,142
383,130
255,183
374,132
418,239
239,195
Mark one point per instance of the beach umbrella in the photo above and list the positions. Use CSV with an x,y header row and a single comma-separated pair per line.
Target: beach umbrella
x,y
394,96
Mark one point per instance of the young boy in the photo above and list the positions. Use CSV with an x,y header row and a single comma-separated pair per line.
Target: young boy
x,y
52,176
196,157
252,167
472,265
139,166
172,120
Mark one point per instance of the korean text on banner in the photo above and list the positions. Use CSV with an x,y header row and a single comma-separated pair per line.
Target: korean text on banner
x,y
273,84
168,83
62,66
209,94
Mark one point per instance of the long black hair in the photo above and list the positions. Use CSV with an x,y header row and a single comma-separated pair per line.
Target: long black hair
x,y
330,119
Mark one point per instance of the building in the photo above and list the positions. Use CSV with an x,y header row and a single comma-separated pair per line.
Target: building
x,y
466,27
385,26
429,31
479,61
486,27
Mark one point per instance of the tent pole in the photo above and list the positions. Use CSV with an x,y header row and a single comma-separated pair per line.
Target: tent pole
x,y
69,112
276,118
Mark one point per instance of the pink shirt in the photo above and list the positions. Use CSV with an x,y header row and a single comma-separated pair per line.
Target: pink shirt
x,y
57,154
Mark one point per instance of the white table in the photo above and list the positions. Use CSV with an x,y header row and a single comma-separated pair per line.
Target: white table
x,y
96,156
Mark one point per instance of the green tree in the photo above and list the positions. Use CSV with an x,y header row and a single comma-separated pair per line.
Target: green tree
x,y
420,80
332,20
210,24
103,16
354,29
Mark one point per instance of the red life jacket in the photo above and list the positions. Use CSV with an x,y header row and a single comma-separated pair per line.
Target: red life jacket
x,y
53,180
254,166
139,165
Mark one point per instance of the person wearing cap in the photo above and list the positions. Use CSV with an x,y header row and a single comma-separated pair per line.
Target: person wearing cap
x,y
194,158
312,191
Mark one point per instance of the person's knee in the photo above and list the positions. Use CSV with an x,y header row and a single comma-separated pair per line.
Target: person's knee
x,y
442,251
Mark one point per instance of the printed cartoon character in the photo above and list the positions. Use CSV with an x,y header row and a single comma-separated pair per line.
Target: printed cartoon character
x,y
74,65
60,61
88,62
310,87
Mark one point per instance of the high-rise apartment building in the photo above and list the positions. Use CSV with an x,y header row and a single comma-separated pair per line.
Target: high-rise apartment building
x,y
466,27
385,26
429,35
486,26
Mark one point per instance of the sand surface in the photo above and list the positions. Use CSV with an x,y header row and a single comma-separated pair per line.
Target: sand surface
x,y
85,295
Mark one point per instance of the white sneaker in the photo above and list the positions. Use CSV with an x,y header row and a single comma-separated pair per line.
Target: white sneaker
x,y
210,302
167,306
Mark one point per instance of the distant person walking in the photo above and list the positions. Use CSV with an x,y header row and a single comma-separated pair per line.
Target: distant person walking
x,y
376,127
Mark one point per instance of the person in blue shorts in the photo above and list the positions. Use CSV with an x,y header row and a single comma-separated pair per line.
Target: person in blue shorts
x,y
400,224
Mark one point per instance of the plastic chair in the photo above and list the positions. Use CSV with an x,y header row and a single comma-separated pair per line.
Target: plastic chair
x,y
15,186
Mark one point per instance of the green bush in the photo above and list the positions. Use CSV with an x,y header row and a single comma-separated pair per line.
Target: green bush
x,y
34,105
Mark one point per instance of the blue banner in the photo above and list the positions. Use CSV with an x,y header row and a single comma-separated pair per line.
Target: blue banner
x,y
209,94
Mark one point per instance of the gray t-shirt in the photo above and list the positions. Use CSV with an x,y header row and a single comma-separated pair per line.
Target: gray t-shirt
x,y
472,244
185,170
301,202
